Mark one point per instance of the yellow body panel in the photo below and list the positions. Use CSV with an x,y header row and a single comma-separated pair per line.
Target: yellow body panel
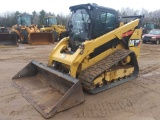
x,y
113,75
30,29
118,74
58,28
80,60
136,36
99,80
34,37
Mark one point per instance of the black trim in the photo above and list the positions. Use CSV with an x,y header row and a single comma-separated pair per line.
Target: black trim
x,y
105,47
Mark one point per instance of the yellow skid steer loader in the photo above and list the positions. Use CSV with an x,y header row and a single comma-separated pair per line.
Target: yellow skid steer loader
x,y
101,52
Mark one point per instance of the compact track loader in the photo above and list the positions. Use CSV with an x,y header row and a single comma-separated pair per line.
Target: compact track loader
x,y
101,52
6,38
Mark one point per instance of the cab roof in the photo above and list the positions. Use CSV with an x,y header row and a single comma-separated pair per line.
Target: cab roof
x,y
92,5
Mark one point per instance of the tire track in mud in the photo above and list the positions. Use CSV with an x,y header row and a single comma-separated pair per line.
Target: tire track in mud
x,y
137,90
10,97
106,109
148,69
11,107
10,110
21,110
22,58
103,109
26,54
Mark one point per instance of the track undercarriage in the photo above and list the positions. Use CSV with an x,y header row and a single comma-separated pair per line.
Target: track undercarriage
x,y
113,70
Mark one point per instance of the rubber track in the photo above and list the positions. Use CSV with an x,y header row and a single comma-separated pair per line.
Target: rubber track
x,y
88,75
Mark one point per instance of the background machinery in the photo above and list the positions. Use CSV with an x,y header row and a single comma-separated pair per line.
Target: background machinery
x,y
101,52
4,30
29,33
148,26
6,38
51,25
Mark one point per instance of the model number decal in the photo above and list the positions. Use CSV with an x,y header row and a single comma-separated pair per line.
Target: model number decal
x,y
63,56
134,43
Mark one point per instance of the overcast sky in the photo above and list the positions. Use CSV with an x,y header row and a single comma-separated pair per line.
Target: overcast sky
x,y
62,6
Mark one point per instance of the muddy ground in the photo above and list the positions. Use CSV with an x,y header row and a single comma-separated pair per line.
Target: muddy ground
x,y
138,99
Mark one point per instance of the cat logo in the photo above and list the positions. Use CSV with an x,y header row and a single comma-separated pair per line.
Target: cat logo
x,y
133,43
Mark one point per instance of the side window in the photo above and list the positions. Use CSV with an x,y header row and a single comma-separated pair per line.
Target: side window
x,y
110,21
105,22
102,17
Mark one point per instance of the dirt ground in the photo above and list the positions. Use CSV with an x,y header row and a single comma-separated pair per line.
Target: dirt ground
x,y
138,99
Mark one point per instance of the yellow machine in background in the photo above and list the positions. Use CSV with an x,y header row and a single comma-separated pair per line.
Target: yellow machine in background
x,y
3,30
58,31
6,38
148,26
101,52
29,33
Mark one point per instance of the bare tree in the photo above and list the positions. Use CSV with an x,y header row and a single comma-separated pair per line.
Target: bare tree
x,y
8,19
35,18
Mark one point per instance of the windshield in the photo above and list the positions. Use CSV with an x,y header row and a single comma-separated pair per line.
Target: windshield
x,y
149,26
24,20
79,25
52,21
155,32
19,20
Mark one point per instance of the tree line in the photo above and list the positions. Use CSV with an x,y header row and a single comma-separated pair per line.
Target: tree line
x,y
149,16
10,19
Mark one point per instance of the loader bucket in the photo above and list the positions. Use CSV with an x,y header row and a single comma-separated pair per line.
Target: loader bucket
x,y
8,39
40,38
48,90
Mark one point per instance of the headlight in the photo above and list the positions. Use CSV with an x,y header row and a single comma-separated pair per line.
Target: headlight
x,y
142,36
153,37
